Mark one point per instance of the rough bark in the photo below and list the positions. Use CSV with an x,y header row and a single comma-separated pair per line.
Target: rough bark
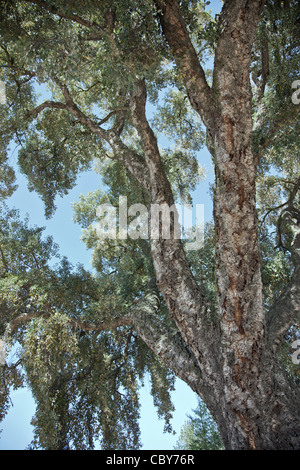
x,y
239,285
175,31
255,403
186,304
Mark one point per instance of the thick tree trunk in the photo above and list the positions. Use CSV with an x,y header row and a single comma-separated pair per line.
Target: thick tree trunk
x,y
257,406
265,415
239,287
259,402
253,401
238,376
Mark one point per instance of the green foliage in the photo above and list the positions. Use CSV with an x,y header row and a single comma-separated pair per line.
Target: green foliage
x,y
200,431
54,154
86,382
276,139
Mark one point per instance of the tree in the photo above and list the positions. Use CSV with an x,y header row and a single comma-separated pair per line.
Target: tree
x,y
221,318
199,432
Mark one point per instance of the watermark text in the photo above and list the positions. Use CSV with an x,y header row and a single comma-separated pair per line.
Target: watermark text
x,y
296,94
159,222
2,92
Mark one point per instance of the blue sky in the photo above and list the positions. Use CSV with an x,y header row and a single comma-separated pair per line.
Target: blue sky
x,y
17,431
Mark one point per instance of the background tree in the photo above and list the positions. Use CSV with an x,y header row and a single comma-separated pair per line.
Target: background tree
x,y
217,318
199,432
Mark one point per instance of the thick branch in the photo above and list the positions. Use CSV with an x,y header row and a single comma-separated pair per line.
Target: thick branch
x,y
107,325
166,343
285,311
46,104
134,162
175,281
83,118
231,84
160,187
175,31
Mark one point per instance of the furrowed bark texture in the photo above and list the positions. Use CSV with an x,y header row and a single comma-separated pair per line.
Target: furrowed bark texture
x,y
175,281
240,301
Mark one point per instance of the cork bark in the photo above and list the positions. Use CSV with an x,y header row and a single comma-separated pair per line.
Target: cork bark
x,y
252,399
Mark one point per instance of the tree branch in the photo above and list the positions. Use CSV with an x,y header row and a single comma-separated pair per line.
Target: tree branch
x,y
176,34
124,154
166,343
288,203
131,159
108,325
275,127
73,108
237,26
70,16
285,311
4,259
46,104
265,70
186,304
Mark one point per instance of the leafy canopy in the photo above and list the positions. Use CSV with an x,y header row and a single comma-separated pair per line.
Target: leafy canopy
x,y
68,71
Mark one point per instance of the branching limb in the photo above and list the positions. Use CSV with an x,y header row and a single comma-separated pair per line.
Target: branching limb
x,y
175,31
285,311
185,302
70,16
131,159
274,128
288,204
46,104
166,343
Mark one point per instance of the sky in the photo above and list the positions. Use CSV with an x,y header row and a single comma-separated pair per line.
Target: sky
x,y
16,429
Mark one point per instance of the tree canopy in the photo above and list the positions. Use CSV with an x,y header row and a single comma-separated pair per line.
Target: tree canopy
x,y
88,339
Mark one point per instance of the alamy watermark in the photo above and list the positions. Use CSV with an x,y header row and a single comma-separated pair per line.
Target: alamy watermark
x,y
296,94
2,92
2,352
161,221
296,354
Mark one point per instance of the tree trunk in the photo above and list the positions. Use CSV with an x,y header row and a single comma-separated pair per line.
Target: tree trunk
x,y
239,377
251,397
256,404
